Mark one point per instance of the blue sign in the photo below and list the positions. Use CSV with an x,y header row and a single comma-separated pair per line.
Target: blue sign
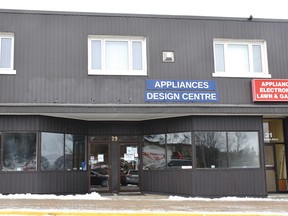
x,y
164,96
181,85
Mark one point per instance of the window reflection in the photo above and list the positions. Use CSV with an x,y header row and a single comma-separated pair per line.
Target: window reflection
x,y
179,150
211,149
52,151
170,151
227,149
154,153
75,152
243,149
19,152
53,156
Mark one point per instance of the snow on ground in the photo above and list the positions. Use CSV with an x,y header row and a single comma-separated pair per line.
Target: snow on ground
x,y
272,198
97,196
91,196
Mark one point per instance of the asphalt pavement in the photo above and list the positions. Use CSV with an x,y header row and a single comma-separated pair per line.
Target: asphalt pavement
x,y
141,204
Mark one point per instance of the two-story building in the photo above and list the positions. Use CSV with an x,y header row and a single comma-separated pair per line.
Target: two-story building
x,y
119,102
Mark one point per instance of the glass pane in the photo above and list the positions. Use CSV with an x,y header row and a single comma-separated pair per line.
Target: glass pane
x,y
116,55
257,58
219,58
154,154
211,149
273,130
281,162
75,152
137,55
269,157
179,151
52,151
281,167
19,152
129,167
6,49
243,149
238,58
99,161
96,54
270,181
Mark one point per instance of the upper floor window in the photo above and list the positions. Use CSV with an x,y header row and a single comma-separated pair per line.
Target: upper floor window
x,y
7,53
240,58
117,55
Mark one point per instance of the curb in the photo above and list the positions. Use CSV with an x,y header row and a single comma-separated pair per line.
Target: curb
x,y
81,213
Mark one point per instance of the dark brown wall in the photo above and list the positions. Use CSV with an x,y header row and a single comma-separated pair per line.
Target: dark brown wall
x,y
52,66
197,182
208,182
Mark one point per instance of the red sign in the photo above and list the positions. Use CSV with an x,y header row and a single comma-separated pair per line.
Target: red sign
x,y
270,90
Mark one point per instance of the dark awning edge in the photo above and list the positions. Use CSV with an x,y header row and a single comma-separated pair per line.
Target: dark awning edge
x,y
140,111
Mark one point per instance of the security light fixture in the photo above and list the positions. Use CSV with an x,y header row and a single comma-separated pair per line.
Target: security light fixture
x,y
168,56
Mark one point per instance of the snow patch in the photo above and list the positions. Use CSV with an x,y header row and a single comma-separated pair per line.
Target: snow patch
x,y
179,198
90,196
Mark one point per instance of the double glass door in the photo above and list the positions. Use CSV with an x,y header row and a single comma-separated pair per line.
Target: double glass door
x,y
114,166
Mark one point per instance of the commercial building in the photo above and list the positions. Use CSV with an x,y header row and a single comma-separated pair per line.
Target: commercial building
x,y
120,102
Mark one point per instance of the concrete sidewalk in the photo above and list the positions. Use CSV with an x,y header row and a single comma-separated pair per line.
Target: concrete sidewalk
x,y
147,204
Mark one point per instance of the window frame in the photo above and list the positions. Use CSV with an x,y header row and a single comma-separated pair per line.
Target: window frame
x,y
31,165
227,153
161,156
63,156
129,39
9,70
250,73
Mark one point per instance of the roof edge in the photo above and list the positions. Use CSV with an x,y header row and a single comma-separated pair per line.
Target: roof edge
x,y
160,16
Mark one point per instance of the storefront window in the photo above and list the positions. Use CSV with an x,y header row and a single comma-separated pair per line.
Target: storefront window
x,y
19,152
59,152
52,151
243,149
75,152
211,149
167,151
227,149
179,151
154,152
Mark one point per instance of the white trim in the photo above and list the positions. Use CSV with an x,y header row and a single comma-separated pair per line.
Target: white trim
x,y
247,75
11,69
130,71
250,43
118,72
7,71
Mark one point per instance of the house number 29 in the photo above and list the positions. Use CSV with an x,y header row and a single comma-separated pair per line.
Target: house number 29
x,y
114,138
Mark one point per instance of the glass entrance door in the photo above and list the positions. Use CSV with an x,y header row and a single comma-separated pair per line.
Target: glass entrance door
x,y
129,167
99,166
275,156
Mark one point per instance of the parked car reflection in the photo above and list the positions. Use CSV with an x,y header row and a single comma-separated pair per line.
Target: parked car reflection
x,y
123,180
179,164
132,177
98,179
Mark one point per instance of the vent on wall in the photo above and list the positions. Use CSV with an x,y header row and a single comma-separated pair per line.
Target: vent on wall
x,y
168,56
